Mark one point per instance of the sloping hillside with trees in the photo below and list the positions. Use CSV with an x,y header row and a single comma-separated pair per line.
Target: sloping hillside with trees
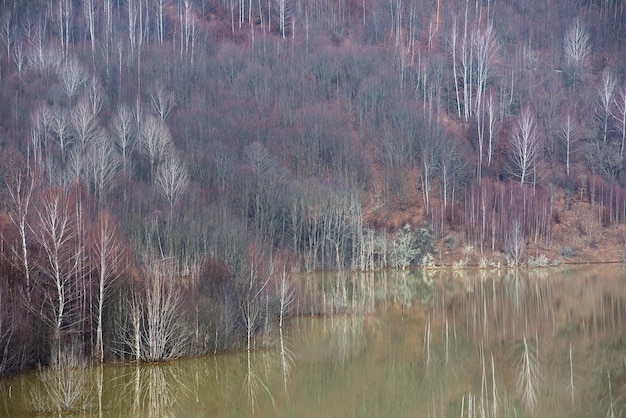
x,y
167,166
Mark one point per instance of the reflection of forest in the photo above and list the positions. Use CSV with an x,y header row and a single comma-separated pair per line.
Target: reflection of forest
x,y
471,343
328,293
545,342
519,302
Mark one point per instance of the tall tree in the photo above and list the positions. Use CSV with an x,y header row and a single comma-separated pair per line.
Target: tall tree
x,y
155,141
89,12
55,234
60,125
577,49
109,263
576,43
492,126
73,77
20,187
9,30
64,15
123,128
85,124
606,92
282,10
41,57
486,47
525,147
102,163
162,101
19,57
161,5
619,113
172,180
569,139
430,153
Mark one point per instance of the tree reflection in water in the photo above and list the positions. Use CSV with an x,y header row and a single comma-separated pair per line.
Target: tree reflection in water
x,y
254,382
287,359
63,388
529,375
156,389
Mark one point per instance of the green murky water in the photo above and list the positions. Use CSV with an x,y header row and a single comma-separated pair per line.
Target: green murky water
x,y
448,344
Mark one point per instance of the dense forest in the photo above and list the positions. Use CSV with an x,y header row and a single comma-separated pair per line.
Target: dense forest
x,y
167,166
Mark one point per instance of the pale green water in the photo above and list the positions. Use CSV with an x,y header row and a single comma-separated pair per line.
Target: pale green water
x,y
498,344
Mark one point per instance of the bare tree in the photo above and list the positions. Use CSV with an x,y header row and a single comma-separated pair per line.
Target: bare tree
x,y
466,56
525,148
282,10
577,49
55,233
41,122
73,76
108,25
59,123
161,5
172,179
255,285
162,101
40,57
9,30
34,146
20,189
138,112
286,295
95,96
576,44
606,92
102,163
492,126
19,57
64,17
568,136
124,131
429,153
453,47
620,115
108,253
486,48
75,169
395,155
155,141
89,12
171,182
84,124
453,168
190,32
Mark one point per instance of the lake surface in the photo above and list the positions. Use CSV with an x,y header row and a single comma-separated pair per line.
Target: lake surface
x,y
546,343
